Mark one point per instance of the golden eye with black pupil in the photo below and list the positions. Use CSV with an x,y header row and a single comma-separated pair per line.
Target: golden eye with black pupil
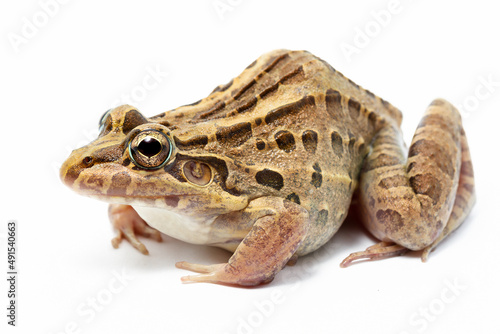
x,y
197,173
150,149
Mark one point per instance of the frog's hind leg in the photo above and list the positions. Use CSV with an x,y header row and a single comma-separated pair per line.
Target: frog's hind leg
x,y
464,199
404,201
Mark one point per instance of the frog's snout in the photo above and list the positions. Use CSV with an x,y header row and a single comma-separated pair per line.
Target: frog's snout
x,y
73,166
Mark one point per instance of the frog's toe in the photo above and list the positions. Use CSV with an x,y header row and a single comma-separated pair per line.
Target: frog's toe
x,y
198,268
379,251
208,274
222,273
130,236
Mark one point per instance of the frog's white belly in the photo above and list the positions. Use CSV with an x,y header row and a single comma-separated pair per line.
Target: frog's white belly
x,y
178,226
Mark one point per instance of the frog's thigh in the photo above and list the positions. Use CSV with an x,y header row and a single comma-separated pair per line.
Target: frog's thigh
x,y
416,202
266,249
464,199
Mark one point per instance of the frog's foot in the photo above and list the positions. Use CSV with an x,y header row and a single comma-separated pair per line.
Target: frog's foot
x,y
129,224
379,251
222,273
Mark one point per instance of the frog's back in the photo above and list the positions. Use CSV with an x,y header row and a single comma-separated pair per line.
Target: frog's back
x,y
275,79
291,126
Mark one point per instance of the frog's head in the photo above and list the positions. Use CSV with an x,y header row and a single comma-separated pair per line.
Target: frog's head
x,y
135,161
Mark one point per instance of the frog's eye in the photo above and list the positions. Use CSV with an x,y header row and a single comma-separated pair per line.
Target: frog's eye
x,y
197,173
150,149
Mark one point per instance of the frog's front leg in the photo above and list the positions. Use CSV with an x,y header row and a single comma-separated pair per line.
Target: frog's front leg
x,y
266,249
128,223
414,203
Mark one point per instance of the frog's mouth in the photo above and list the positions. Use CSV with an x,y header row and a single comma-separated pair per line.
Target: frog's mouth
x,y
111,179
114,182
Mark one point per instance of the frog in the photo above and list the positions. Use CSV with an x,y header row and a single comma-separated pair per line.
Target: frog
x,y
268,166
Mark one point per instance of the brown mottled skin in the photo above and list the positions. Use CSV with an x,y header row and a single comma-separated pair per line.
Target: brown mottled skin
x,y
266,166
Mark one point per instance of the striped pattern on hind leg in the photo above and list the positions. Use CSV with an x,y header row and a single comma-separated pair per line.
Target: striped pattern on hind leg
x,y
409,201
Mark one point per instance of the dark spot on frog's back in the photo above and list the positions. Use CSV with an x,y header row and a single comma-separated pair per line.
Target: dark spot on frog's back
x,y
159,116
317,178
222,88
119,184
333,103
354,108
352,141
252,64
210,113
234,135
273,62
294,76
191,143
310,141
237,94
322,217
260,144
247,106
269,90
133,118
285,141
189,105
275,115
337,143
269,178
293,197
373,117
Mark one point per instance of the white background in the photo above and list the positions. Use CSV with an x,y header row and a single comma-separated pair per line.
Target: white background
x,y
60,76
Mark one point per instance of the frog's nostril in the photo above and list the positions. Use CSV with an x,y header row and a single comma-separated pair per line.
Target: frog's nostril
x,y
87,161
